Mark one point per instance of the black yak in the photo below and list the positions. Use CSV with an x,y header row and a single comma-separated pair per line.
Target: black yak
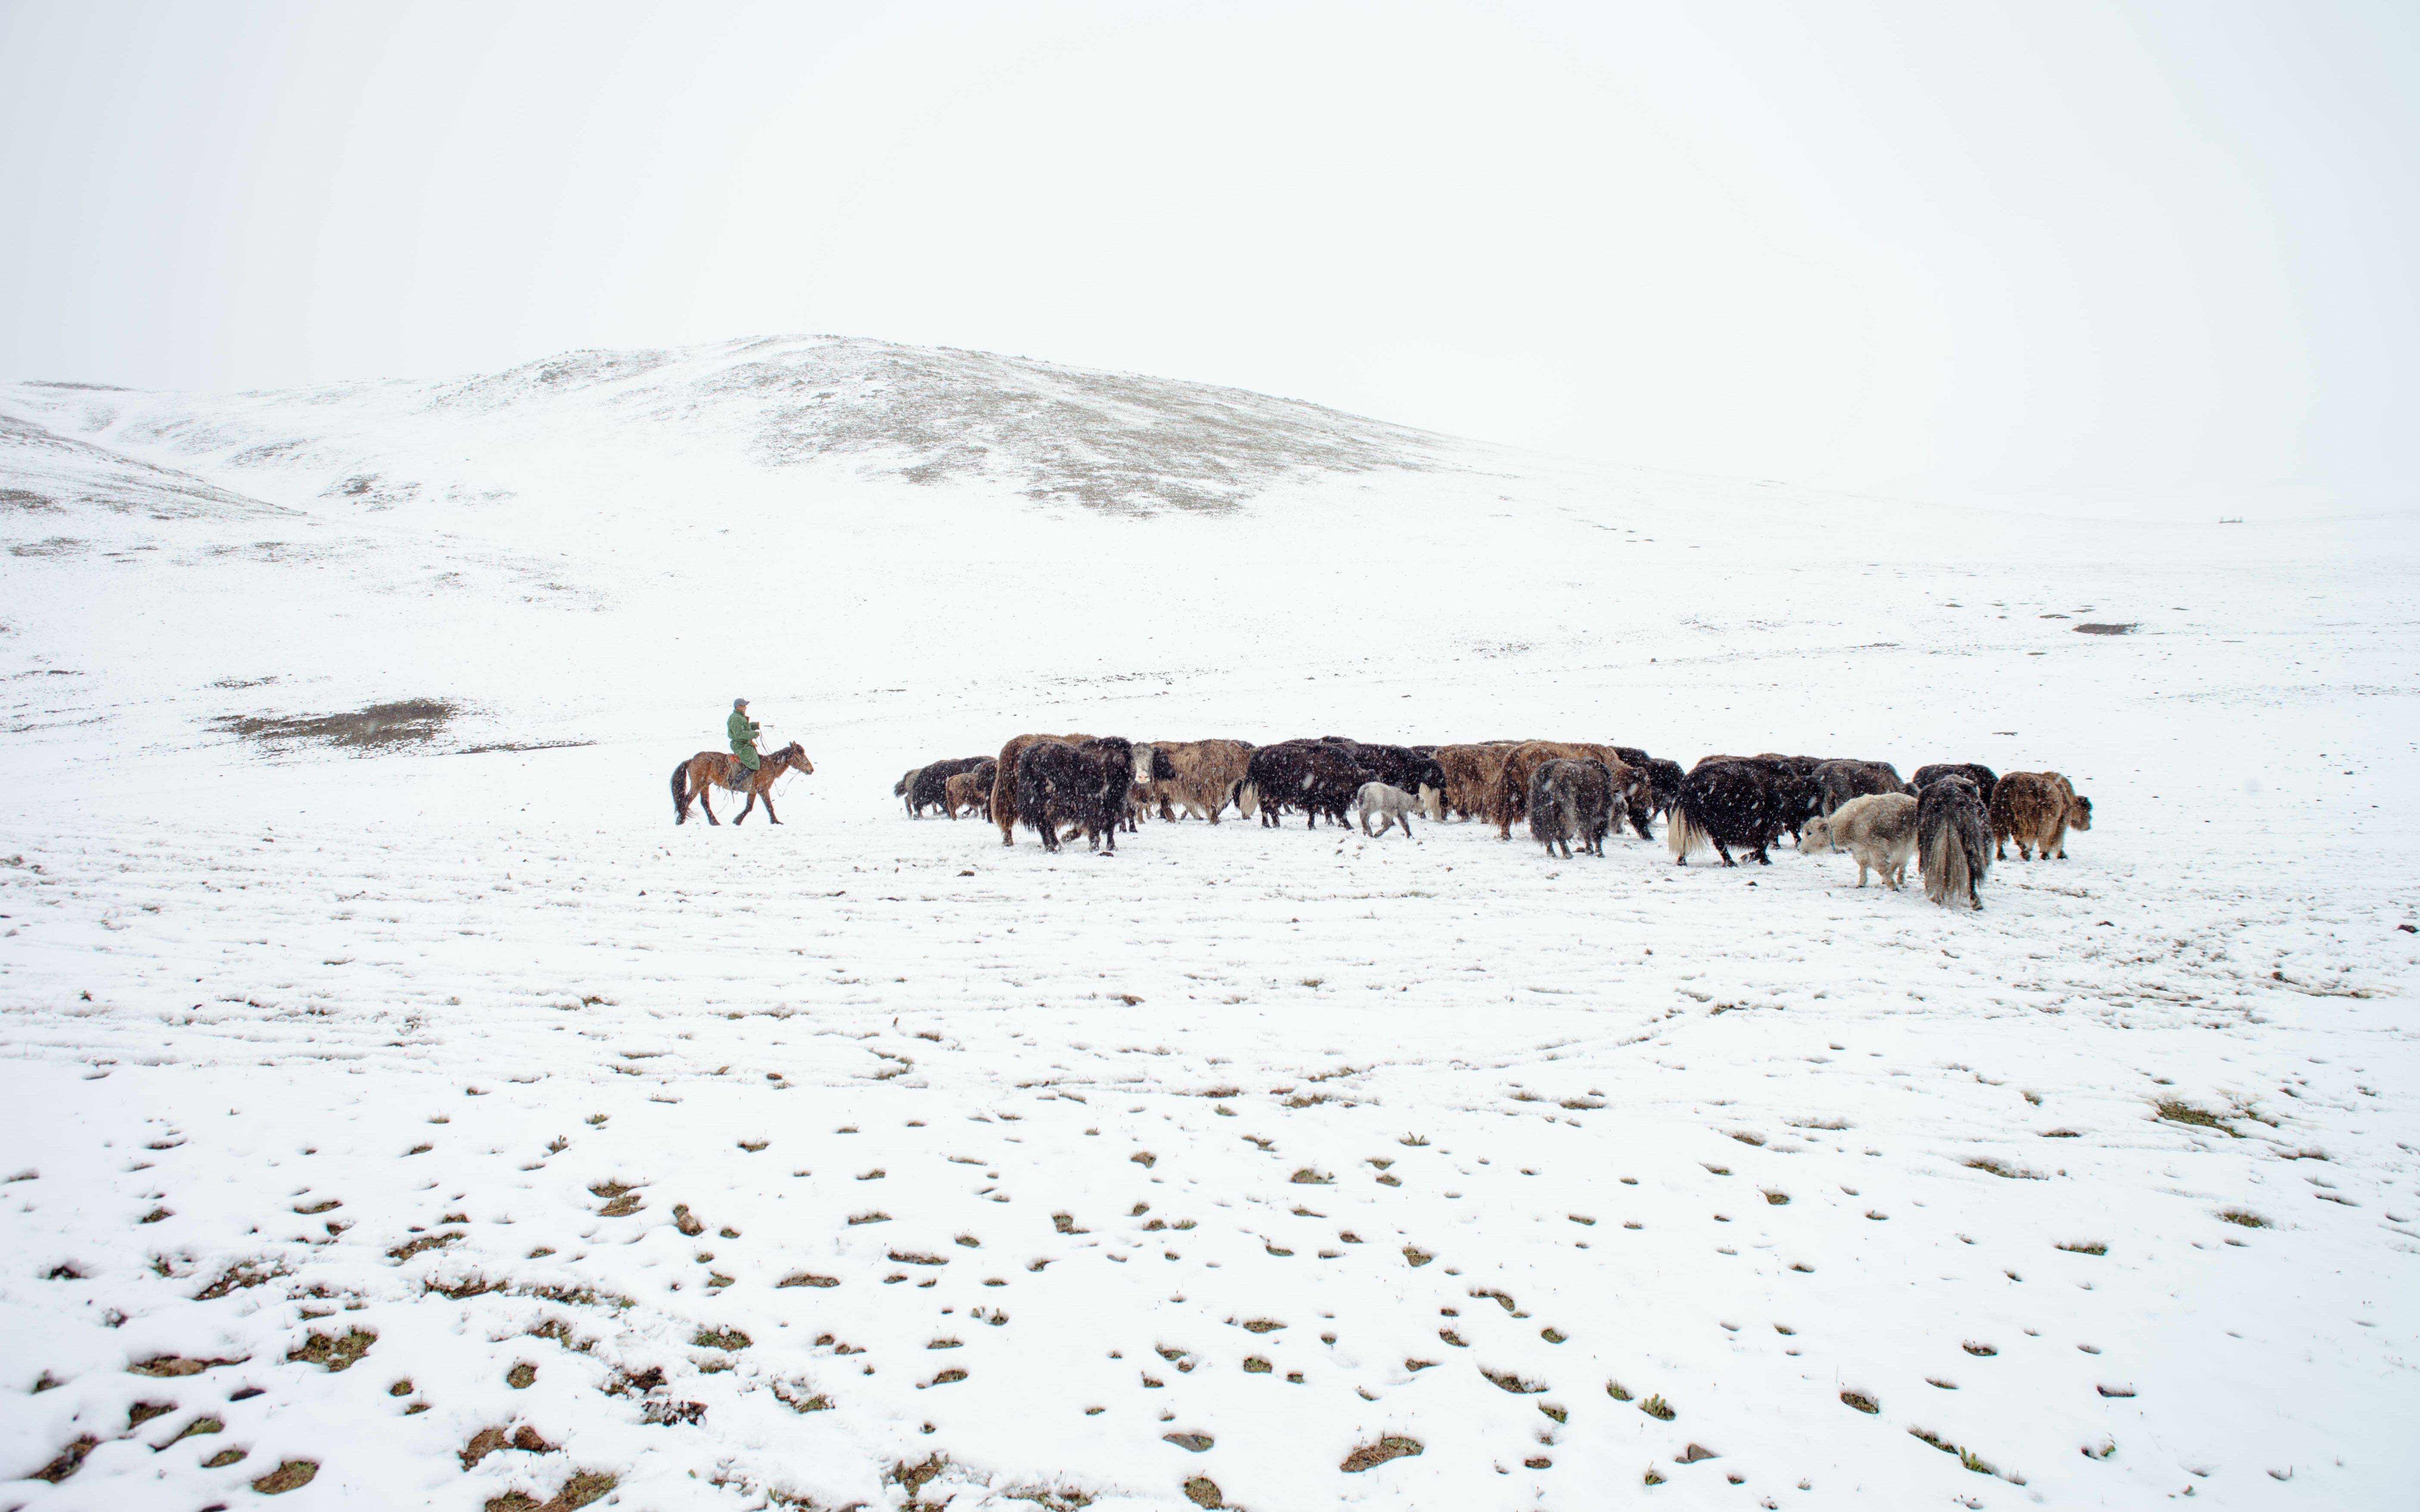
x,y
1953,840
1664,780
1798,795
1315,776
1727,803
1004,787
1569,800
1984,778
1837,781
929,786
1077,786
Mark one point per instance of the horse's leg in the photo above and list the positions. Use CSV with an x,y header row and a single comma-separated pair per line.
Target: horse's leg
x,y
752,805
703,790
770,817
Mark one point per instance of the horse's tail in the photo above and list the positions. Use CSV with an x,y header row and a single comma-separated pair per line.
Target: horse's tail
x,y
680,793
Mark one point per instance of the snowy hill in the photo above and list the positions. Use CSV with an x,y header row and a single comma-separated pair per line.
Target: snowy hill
x,y
394,1090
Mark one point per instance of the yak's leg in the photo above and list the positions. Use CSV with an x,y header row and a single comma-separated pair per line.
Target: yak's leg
x,y
1405,820
1724,852
1861,873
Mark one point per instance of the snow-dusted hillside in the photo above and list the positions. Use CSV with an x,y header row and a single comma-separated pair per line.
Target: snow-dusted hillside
x,y
929,1168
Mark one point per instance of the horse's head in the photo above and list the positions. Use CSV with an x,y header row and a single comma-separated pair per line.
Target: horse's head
x,y
796,756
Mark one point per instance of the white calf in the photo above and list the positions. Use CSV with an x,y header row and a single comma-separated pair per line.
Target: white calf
x,y
1877,829
1392,804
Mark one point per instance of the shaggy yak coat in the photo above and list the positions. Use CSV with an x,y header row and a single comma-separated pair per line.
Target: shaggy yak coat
x,y
1953,842
969,790
1470,772
1083,786
1839,782
1799,795
1975,772
2036,809
903,787
1510,802
1572,800
1207,774
1314,776
1664,781
930,787
1003,785
1877,829
1401,767
1730,803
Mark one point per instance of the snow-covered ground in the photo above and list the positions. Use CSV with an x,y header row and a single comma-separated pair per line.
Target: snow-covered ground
x,y
861,1160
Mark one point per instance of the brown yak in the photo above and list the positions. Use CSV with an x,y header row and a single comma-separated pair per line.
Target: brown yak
x,y
1509,799
1208,772
2036,809
1470,773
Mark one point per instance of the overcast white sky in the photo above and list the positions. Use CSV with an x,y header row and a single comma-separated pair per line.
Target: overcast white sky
x,y
2146,255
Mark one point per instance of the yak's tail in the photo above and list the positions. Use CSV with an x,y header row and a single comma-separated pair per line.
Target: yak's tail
x,y
680,793
1976,846
1247,799
1946,876
1685,832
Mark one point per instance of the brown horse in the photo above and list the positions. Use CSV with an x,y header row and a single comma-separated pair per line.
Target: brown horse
x,y
710,769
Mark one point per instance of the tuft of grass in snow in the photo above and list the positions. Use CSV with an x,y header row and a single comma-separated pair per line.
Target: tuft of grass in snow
x,y
2243,1217
1657,1407
2088,1246
2001,1169
290,1476
337,1352
2185,1113
1369,1455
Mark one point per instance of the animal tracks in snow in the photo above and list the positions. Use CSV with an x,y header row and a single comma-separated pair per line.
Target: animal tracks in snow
x,y
1637,1237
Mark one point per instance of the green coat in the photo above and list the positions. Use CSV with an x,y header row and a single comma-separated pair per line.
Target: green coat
x,y
743,740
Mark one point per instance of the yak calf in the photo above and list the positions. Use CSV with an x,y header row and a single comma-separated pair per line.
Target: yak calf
x,y
1877,829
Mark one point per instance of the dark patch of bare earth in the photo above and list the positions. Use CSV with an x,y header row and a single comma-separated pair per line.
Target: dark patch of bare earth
x,y
376,727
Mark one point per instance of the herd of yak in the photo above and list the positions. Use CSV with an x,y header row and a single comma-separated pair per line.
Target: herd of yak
x,y
1954,819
